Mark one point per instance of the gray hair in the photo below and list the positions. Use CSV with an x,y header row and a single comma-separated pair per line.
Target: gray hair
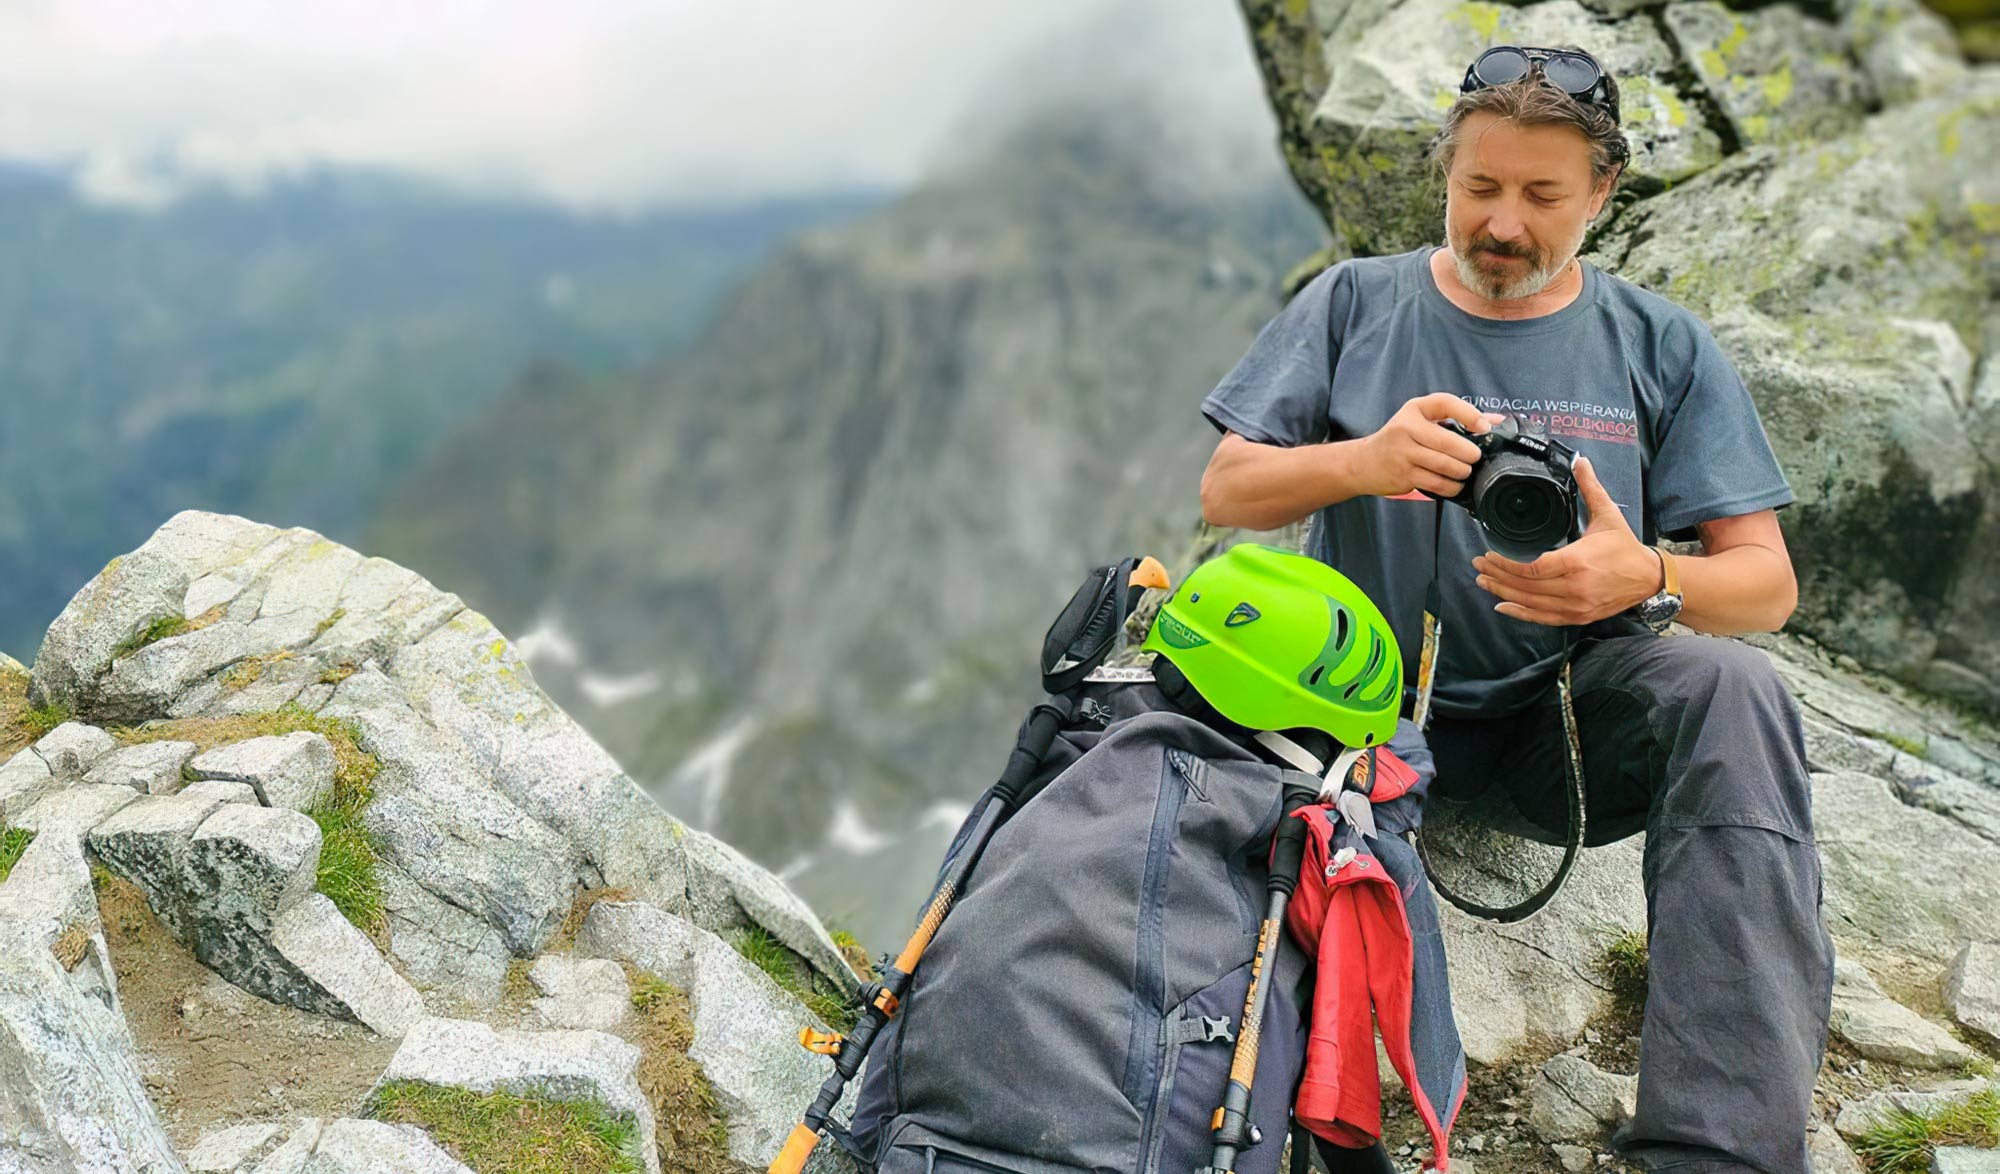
x,y
1531,101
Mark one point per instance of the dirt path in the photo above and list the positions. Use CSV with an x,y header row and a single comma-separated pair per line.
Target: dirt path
x,y
214,1055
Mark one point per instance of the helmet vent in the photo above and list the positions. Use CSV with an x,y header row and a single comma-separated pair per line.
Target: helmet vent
x,y
1340,633
1317,670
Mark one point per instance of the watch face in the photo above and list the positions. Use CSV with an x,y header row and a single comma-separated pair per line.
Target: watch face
x,y
1660,610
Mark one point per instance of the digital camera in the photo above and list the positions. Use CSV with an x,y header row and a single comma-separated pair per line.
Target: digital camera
x,y
1522,489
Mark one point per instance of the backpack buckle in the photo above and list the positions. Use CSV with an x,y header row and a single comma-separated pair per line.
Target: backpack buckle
x,y
1216,1029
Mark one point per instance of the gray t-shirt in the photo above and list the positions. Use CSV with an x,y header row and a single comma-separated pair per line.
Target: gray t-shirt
x,y
1625,377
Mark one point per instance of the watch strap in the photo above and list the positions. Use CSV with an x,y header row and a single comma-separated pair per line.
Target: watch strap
x,y
1670,572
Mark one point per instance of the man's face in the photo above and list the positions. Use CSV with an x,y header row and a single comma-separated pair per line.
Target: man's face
x,y
1518,203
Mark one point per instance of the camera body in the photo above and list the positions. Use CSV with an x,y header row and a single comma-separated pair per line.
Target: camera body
x,y
1522,489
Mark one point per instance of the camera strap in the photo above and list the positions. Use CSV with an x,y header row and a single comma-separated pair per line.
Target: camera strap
x,y
1572,753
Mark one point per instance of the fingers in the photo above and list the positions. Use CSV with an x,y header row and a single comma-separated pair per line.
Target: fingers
x,y
1512,591
1442,463
1550,566
1442,405
1529,615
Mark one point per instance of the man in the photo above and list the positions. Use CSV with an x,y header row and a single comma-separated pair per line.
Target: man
x,y
1337,408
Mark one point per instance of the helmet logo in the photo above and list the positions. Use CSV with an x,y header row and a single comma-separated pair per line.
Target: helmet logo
x,y
1177,634
1243,614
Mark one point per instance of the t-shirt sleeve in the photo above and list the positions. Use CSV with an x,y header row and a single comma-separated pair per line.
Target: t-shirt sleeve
x,y
1277,393
1713,459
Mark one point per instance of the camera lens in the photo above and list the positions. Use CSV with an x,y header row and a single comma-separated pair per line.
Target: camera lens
x,y
1525,509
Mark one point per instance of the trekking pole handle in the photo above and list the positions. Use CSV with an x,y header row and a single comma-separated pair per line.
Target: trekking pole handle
x,y
798,1147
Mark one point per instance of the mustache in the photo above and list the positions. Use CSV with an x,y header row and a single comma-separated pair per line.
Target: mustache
x,y
1493,246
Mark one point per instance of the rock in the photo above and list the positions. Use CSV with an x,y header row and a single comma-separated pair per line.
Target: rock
x,y
74,811
439,823
1944,889
1972,990
1575,1158
72,747
1826,1153
294,770
1366,85
441,945
293,1155
1849,277
111,611
1535,981
233,1149
151,768
1573,1100
1777,74
378,1147
24,779
1964,1159
1907,50
48,901
147,841
1882,1029
1862,1114
581,994
743,1021
559,1065
322,945
71,1097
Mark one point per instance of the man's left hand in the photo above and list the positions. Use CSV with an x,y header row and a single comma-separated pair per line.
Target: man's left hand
x,y
1602,573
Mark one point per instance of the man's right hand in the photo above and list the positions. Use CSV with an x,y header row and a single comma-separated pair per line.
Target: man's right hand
x,y
1414,451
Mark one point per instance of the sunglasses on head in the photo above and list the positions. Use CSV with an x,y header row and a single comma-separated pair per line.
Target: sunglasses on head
x,y
1574,73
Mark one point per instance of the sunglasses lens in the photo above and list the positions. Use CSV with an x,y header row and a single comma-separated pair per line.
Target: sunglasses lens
x,y
1501,66
1570,74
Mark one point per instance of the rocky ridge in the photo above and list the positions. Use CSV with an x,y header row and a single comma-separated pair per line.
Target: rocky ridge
x,y
496,832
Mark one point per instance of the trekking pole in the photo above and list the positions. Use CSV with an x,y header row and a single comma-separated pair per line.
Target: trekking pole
x,y
1233,1132
1078,642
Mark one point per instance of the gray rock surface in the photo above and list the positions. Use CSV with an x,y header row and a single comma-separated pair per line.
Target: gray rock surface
x,y
746,1028
1776,73
441,945
71,1097
24,779
1575,1159
1574,1100
588,994
1882,1029
1828,1154
1964,1159
556,1065
233,1149
1972,990
74,811
338,958
151,768
1534,981
47,902
292,770
351,1146
72,747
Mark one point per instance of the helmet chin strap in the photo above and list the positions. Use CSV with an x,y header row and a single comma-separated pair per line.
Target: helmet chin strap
x,y
1309,762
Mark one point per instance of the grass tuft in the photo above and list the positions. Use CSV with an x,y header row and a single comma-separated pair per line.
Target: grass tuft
x,y
70,946
771,956
165,628
1622,963
21,723
691,1131
854,952
250,669
1904,1143
13,842
329,622
497,1131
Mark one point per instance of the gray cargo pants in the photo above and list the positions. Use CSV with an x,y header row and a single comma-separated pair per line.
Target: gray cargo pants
x,y
1695,741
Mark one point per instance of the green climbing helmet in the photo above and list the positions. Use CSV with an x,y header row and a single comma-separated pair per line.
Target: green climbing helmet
x,y
1275,640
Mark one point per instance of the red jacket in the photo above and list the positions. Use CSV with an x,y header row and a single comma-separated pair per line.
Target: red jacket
x,y
1349,913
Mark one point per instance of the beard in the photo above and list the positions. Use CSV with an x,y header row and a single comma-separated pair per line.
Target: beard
x,y
1532,272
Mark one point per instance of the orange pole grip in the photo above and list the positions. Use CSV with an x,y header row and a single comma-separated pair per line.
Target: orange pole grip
x,y
914,950
798,1147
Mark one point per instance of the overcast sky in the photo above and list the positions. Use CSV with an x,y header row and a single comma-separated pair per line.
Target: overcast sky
x,y
591,102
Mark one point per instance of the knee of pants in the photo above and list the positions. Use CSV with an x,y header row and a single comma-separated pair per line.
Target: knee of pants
x,y
1738,748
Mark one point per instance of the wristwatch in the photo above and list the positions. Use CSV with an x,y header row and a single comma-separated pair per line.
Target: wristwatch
x,y
1659,611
